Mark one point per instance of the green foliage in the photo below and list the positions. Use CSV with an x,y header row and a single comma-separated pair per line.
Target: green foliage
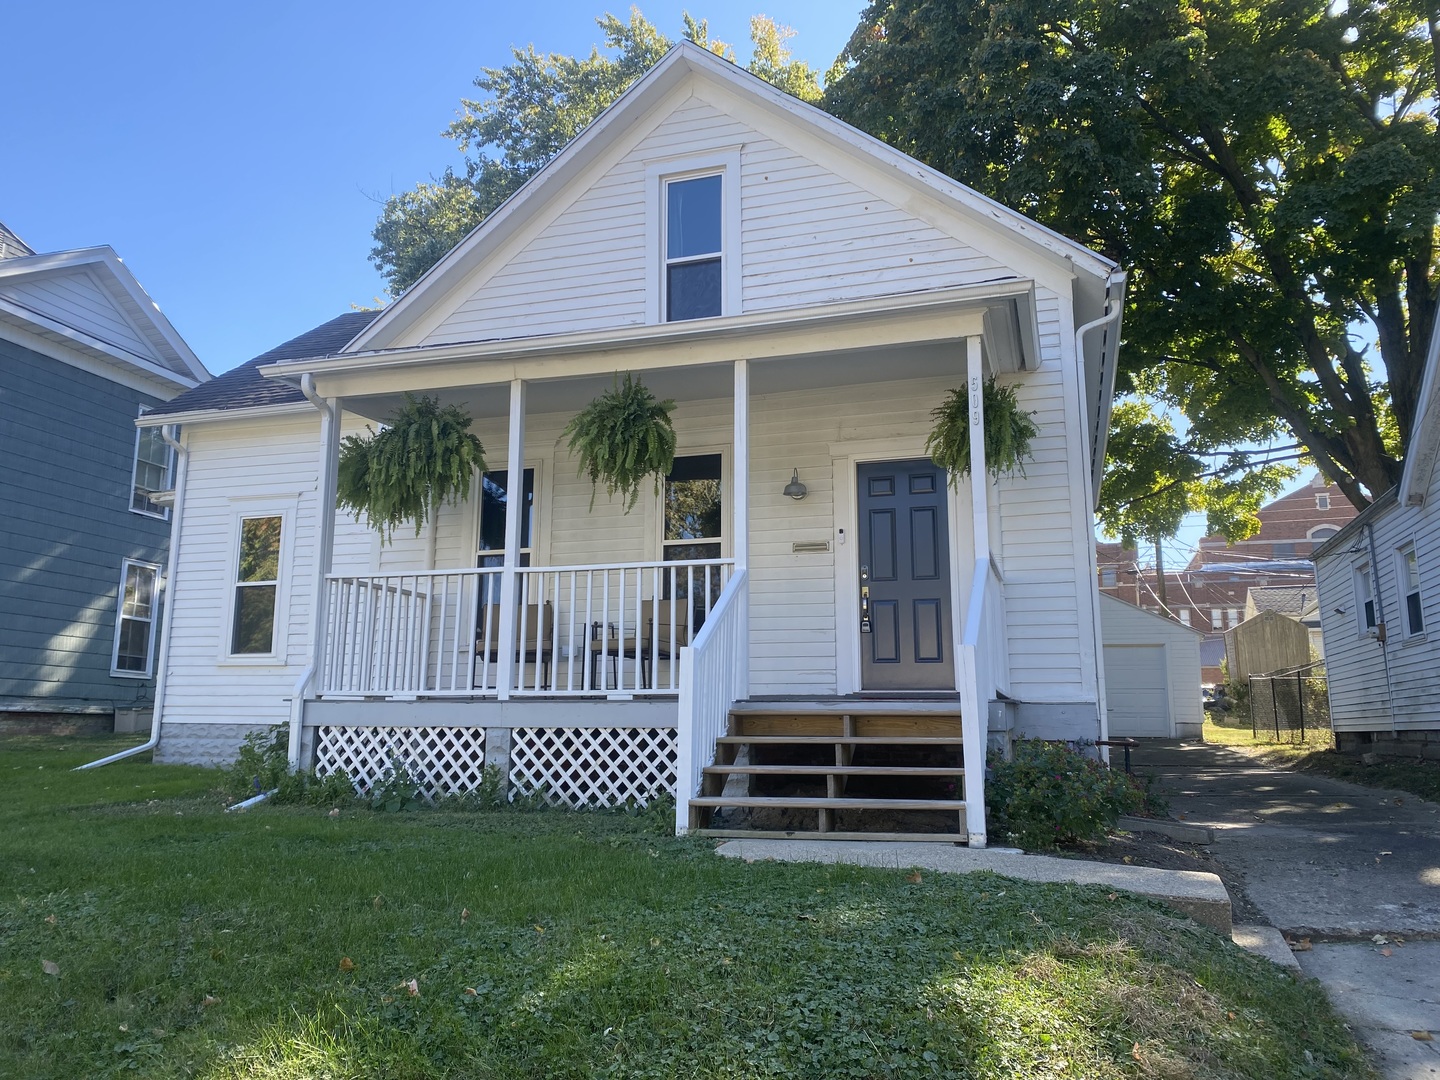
x,y
621,438
423,457
1268,172
263,764
527,111
1049,795
1008,432
398,789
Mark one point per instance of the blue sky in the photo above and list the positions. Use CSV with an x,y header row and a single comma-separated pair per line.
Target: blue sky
x,y
236,155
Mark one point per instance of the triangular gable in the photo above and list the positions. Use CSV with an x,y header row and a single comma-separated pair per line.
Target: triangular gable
x,y
685,76
1425,432
88,301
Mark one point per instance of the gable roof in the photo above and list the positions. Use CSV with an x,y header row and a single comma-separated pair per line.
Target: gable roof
x,y
166,356
1293,600
244,387
683,61
11,246
1425,431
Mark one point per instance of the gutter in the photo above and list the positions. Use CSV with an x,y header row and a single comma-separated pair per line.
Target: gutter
x,y
182,457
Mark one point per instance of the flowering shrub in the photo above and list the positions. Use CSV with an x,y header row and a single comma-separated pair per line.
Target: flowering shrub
x,y
1050,795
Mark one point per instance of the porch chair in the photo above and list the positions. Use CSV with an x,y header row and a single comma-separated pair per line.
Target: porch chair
x,y
607,643
537,648
659,639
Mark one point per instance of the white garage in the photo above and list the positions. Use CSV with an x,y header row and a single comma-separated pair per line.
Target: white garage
x,y
1152,673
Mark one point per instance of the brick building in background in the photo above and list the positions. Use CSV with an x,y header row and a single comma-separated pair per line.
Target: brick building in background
x,y
1212,591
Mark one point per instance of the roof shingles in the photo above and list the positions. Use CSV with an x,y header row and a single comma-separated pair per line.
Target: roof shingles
x,y
244,387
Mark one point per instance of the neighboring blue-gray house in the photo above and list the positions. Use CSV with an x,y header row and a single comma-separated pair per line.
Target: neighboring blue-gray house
x,y
85,531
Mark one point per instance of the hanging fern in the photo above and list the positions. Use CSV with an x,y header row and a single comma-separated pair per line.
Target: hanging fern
x,y
1008,432
622,437
424,456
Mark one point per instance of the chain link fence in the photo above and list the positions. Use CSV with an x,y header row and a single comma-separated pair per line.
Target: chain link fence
x,y
1287,705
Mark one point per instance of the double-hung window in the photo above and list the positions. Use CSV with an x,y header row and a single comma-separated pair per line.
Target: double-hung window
x,y
694,280
1408,575
151,472
257,581
694,516
135,621
1364,598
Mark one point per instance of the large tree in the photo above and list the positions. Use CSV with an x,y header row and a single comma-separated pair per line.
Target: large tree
x,y
528,111
1269,172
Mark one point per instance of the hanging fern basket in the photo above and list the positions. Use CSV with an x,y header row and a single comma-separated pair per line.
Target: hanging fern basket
x,y
424,456
1008,431
621,438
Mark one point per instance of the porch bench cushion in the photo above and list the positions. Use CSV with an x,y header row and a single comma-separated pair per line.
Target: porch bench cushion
x,y
538,646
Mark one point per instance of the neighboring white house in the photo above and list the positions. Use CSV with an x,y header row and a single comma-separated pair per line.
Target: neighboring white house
x,y
1379,583
807,295
1152,673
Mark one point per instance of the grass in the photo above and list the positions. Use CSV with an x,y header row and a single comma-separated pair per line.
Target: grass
x,y
1317,754
281,943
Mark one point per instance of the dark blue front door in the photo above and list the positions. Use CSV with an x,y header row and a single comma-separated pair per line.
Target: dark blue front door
x,y
906,642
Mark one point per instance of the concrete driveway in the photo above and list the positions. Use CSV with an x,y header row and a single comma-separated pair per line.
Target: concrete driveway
x,y
1355,869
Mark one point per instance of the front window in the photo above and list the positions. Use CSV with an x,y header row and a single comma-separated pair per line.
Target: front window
x,y
494,497
257,578
694,510
1410,590
1364,598
694,284
135,620
151,472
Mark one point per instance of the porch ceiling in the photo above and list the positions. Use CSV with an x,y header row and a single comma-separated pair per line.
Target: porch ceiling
x,y
700,382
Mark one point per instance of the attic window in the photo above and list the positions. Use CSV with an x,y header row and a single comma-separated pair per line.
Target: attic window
x,y
694,256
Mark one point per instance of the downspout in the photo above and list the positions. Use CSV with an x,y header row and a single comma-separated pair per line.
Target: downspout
x,y
302,685
1113,310
1382,637
182,458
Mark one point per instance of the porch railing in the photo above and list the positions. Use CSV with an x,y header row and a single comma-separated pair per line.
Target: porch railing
x,y
579,630
714,674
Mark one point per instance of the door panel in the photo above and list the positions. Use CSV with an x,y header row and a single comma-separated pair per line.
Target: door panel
x,y
905,555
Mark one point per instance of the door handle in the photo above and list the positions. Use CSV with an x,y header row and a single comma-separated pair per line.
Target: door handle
x,y
864,599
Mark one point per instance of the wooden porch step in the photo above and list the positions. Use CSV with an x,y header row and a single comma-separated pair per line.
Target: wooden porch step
x,y
844,740
834,770
804,834
798,802
853,706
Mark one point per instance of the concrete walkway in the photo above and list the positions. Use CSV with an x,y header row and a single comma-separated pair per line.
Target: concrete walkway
x,y
1326,859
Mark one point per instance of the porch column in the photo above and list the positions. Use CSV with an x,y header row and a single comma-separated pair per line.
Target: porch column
x,y
740,517
979,491
313,677
514,508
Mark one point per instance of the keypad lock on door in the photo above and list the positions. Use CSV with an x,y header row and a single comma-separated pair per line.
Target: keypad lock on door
x,y
864,599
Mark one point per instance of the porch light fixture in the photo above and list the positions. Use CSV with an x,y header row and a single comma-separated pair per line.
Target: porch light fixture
x,y
795,489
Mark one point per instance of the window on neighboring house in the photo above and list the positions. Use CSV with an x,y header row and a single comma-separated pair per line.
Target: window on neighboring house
x,y
694,274
1322,501
1217,618
257,580
1364,598
1282,551
151,472
135,621
1185,616
1234,616
1409,578
1321,533
1107,579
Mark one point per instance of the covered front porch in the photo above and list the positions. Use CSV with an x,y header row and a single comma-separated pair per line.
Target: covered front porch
x,y
553,616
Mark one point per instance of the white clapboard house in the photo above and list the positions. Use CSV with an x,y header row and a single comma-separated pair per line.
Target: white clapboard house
x,y
829,628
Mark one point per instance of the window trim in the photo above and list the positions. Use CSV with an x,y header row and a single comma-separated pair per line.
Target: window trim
x,y
724,162
1402,555
727,509
161,513
241,511
539,549
115,670
1364,586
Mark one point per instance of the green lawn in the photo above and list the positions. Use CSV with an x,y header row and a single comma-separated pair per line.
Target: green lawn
x,y
1317,755
282,943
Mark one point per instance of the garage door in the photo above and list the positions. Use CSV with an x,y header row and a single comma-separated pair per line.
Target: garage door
x,y
1137,696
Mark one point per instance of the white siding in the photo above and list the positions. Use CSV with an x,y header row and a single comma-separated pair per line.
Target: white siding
x,y
809,236
75,300
1363,693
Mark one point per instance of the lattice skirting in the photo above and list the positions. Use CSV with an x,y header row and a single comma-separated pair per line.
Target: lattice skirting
x,y
580,767
443,759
